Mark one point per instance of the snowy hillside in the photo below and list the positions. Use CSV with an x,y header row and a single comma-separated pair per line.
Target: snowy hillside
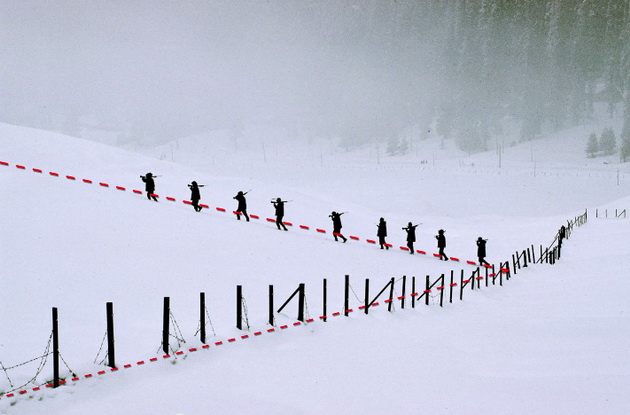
x,y
553,339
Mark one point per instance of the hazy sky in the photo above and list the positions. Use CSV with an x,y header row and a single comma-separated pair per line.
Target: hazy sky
x,y
329,64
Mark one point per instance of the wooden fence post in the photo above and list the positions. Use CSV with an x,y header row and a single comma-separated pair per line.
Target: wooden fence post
x,y
111,352
367,295
55,341
404,283
346,294
301,301
325,295
413,291
391,295
442,291
165,324
271,319
239,307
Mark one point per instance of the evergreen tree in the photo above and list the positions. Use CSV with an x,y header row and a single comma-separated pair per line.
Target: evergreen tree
x,y
625,149
393,146
592,146
625,143
404,146
608,141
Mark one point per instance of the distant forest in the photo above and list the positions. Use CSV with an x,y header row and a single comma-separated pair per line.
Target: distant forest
x,y
366,71
542,63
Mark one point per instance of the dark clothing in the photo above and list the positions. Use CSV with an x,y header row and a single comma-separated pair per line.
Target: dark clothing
x,y
195,197
382,233
411,237
481,248
441,245
382,229
279,208
411,233
279,214
242,203
336,218
481,251
242,206
562,233
194,194
149,186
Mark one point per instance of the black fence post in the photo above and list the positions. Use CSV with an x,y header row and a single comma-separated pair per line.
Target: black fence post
x,y
111,352
525,259
426,290
487,274
404,283
271,319
165,324
55,341
477,278
413,291
442,291
533,254
529,256
346,294
514,263
391,295
325,296
461,286
239,307
450,297
202,317
301,296
367,295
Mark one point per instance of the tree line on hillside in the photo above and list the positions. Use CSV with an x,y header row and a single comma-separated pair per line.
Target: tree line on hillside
x,y
606,144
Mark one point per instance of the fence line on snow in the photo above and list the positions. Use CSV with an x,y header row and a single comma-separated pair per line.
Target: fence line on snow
x,y
521,259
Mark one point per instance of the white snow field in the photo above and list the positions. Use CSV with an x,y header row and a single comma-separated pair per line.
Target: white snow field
x,y
552,340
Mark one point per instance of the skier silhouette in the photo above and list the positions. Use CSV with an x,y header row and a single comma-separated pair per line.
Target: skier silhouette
x,y
279,205
336,219
382,233
481,250
195,195
411,236
441,244
150,186
242,205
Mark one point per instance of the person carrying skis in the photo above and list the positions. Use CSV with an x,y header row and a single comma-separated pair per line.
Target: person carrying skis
x,y
411,236
441,244
149,186
481,250
195,195
279,205
242,205
382,233
336,219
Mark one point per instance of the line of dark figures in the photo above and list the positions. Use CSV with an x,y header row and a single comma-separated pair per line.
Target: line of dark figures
x,y
278,204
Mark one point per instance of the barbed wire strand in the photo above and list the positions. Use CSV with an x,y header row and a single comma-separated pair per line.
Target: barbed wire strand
x,y
101,349
42,363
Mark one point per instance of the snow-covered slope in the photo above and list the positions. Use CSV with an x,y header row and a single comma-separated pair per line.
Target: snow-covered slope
x,y
545,342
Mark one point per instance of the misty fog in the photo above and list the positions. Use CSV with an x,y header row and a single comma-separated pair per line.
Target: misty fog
x,y
146,72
